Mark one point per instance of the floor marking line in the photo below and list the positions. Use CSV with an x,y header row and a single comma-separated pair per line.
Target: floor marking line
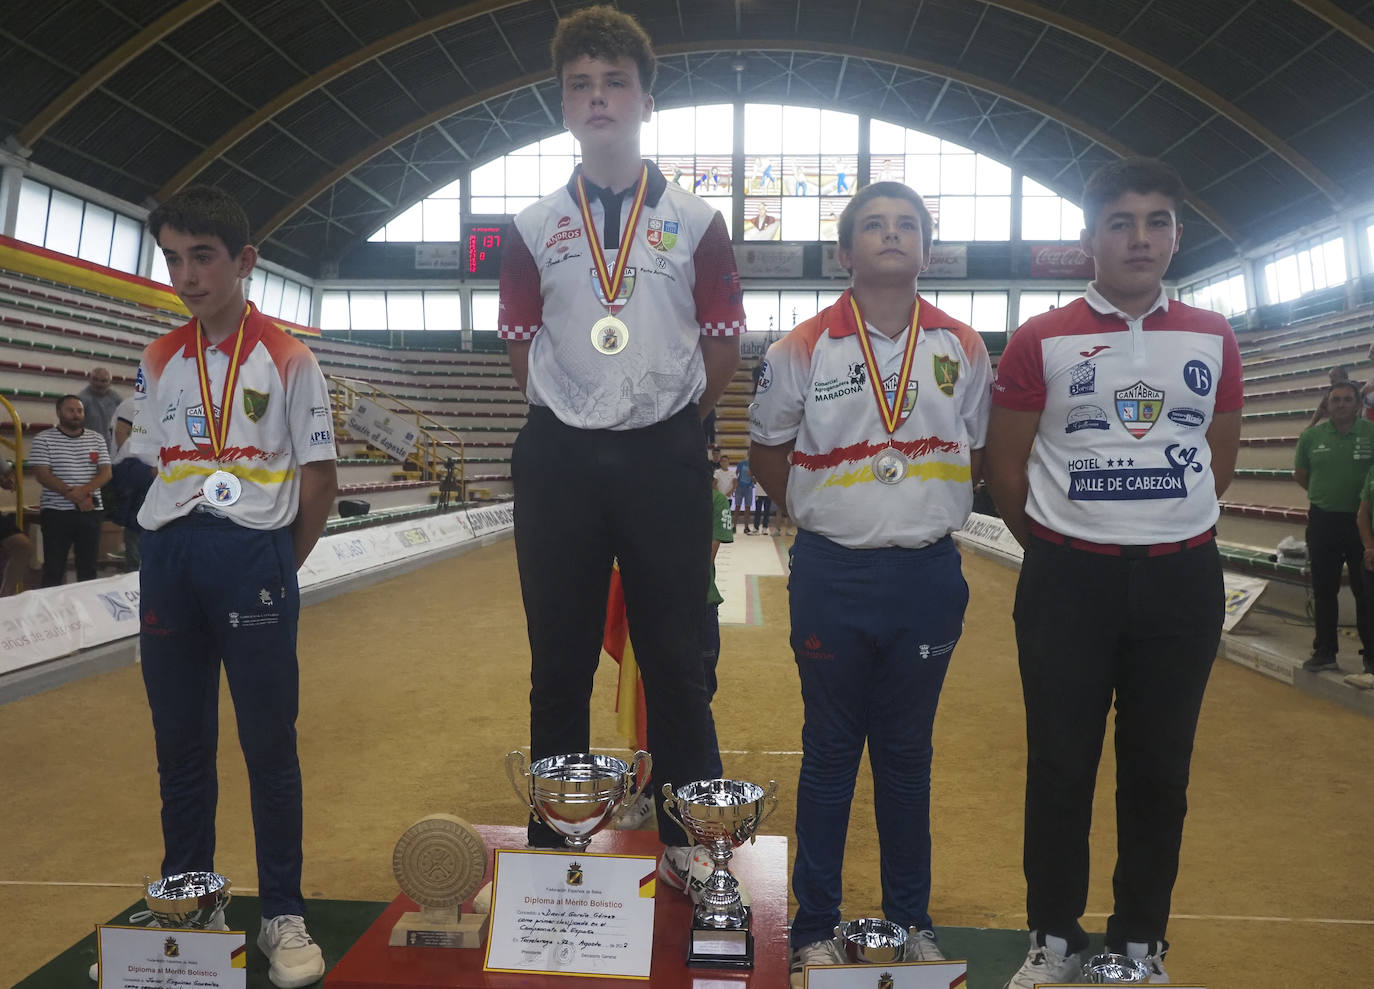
x,y
1257,919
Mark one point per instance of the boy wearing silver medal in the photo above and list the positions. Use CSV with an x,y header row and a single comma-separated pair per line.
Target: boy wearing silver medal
x,y
621,309
235,414
868,425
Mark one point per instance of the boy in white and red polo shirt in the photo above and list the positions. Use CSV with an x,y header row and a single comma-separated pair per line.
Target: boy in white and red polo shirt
x,y
1115,425
869,425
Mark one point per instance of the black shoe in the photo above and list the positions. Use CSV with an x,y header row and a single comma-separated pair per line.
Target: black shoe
x,y
1320,661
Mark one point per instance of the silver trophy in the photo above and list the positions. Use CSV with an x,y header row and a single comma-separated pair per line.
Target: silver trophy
x,y
872,941
1112,969
188,900
577,795
720,815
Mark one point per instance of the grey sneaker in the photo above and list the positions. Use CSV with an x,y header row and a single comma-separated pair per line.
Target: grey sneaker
x,y
921,946
1047,963
293,957
1152,954
816,953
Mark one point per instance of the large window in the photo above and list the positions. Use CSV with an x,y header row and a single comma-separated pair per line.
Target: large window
x,y
801,166
1046,215
391,309
1313,264
284,298
1224,293
692,147
68,224
986,312
969,194
436,218
1035,303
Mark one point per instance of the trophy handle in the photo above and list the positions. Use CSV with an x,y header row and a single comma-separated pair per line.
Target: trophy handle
x,y
669,801
770,804
515,764
641,766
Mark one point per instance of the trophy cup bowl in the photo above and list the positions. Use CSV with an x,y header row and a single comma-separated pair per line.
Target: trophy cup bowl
x,y
1112,969
720,815
579,794
870,940
187,900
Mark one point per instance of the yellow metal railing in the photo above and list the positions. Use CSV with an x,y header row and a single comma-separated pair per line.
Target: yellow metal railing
x,y
15,447
437,444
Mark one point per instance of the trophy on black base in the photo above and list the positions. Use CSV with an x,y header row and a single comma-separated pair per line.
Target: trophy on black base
x,y
720,815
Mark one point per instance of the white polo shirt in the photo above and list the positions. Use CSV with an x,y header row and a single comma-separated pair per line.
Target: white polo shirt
x,y
1121,453
680,284
280,420
815,389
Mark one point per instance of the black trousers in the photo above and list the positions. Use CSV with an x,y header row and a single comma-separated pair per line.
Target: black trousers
x,y
763,507
64,531
1333,545
583,500
1090,628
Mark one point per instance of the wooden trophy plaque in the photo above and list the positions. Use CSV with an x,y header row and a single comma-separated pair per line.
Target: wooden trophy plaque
x,y
439,862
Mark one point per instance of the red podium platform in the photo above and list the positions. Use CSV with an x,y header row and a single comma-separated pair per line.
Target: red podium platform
x,y
762,867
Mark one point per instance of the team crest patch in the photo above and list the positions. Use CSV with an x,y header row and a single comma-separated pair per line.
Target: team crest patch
x,y
627,288
575,874
254,404
197,427
908,400
946,374
662,233
1138,408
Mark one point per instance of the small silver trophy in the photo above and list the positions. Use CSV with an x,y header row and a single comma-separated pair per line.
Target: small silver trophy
x,y
1113,969
720,815
577,795
870,940
188,900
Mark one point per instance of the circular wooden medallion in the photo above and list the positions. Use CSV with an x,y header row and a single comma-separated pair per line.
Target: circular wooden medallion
x,y
439,861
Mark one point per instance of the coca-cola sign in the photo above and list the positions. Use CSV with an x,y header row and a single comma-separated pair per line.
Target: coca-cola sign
x,y
1059,261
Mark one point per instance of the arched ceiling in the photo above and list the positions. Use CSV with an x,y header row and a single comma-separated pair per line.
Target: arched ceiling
x,y
327,117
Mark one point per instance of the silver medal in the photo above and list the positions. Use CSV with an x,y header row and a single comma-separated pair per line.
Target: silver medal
x,y
222,489
890,466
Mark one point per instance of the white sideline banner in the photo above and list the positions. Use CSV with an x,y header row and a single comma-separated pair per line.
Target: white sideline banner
x,y
50,622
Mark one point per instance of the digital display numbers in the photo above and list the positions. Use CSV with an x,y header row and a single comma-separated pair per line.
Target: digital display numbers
x,y
482,248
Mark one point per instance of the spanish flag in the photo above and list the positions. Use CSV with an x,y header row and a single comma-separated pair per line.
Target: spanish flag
x,y
630,719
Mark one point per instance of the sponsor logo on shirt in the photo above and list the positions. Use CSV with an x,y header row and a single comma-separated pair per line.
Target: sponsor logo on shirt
x,y
765,377
140,384
563,221
927,651
322,437
1198,377
852,384
561,236
1138,407
1083,378
1187,417
1086,417
1122,479
662,234
1095,351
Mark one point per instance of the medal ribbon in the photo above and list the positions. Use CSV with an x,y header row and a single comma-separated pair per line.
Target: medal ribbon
x,y
611,281
892,416
219,430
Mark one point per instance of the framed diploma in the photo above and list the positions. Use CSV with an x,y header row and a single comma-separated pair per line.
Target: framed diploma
x,y
572,914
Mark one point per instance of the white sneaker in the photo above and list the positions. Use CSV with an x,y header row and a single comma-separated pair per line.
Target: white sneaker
x,y
1364,681
1153,959
921,946
1047,963
638,816
295,959
816,953
216,923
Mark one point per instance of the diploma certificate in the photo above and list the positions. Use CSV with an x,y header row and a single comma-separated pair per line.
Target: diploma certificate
x,y
154,957
906,975
572,914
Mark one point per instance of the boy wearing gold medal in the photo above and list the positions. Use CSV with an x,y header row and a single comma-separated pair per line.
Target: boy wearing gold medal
x,y
621,309
869,425
235,414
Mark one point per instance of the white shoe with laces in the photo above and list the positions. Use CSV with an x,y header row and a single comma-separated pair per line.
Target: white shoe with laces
x,y
1152,954
921,946
639,815
146,918
816,953
293,956
1047,963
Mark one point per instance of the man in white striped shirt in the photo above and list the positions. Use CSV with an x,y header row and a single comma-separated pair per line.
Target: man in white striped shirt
x,y
72,463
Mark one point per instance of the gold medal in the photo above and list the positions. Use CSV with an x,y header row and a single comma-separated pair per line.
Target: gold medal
x,y
610,335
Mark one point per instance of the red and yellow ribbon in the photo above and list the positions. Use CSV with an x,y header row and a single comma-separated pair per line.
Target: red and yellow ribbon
x,y
892,416
611,281
219,429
